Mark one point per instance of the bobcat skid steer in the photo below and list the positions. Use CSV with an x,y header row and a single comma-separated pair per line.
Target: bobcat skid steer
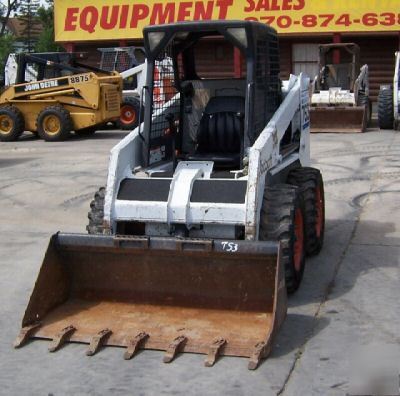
x,y
209,210
340,93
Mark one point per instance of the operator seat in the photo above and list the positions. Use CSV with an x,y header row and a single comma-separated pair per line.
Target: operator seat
x,y
339,75
221,132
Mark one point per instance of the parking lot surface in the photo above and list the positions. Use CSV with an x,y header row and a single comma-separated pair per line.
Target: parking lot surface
x,y
349,296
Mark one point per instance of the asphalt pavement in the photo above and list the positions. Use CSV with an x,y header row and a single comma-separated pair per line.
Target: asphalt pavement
x,y
348,303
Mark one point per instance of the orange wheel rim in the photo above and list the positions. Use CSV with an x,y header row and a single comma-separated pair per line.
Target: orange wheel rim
x,y
51,125
128,114
319,205
6,124
299,239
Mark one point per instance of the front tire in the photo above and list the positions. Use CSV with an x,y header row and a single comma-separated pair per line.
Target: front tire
x,y
12,124
363,100
311,185
54,124
96,213
282,219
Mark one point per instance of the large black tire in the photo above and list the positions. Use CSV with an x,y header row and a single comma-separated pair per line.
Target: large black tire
x,y
12,124
282,220
363,100
130,110
96,213
54,124
385,108
311,185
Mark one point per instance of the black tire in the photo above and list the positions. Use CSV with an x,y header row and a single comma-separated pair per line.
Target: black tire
x,y
96,213
363,100
385,109
311,185
12,123
86,132
282,207
130,110
54,124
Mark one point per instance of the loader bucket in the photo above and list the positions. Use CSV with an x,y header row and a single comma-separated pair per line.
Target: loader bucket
x,y
336,119
175,295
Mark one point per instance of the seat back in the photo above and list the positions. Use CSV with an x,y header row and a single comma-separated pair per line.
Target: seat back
x,y
339,76
222,126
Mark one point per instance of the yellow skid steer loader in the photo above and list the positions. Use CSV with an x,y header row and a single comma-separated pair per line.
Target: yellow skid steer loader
x,y
79,99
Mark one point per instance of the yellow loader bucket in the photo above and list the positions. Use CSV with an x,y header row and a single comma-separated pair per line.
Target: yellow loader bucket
x,y
337,119
175,295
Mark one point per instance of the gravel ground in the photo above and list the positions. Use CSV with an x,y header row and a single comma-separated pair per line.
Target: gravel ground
x,y
349,298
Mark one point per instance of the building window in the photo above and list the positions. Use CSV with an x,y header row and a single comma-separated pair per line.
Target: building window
x,y
305,59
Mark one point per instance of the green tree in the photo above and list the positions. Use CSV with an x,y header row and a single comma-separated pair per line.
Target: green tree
x,y
45,41
6,46
32,27
6,9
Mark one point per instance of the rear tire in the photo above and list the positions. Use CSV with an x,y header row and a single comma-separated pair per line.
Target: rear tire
x,y
54,124
311,185
129,118
96,213
12,124
282,219
385,109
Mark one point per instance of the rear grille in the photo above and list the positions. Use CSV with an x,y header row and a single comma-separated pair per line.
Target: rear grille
x,y
112,100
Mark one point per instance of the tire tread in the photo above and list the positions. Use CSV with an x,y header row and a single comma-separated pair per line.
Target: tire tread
x,y
277,223
19,123
385,109
96,213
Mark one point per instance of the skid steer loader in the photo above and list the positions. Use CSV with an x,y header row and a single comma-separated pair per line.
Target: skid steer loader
x,y
389,101
340,92
209,211
126,60
53,98
130,63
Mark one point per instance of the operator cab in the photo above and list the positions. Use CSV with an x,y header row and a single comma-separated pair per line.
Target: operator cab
x,y
340,74
203,113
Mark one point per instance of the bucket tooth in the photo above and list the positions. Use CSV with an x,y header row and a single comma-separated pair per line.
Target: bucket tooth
x,y
134,344
257,355
214,351
61,338
97,341
24,334
174,348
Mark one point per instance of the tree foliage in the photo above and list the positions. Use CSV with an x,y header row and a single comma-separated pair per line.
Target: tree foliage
x,y
45,42
6,47
6,10
31,24
6,39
